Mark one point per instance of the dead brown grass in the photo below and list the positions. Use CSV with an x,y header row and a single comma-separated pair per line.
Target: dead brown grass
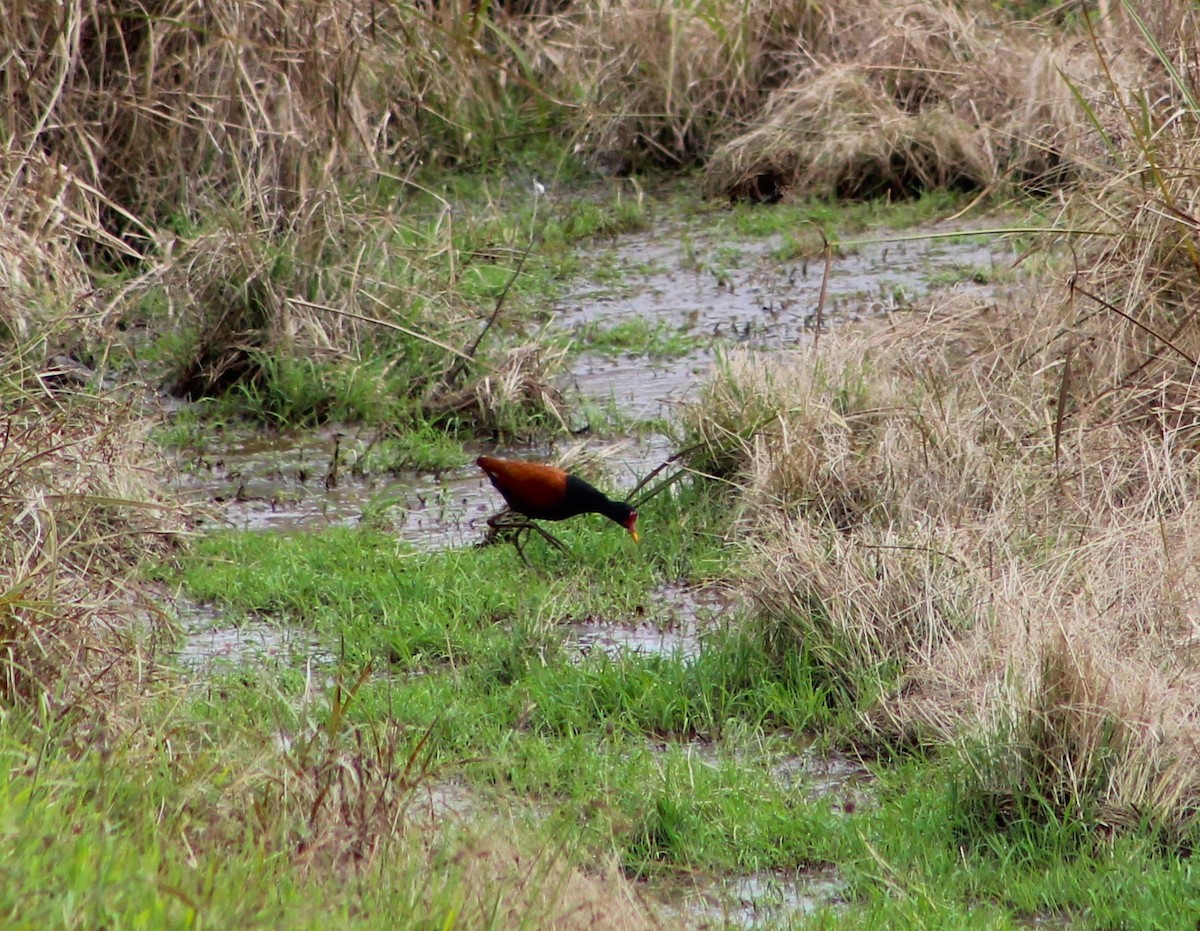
x,y
657,84
522,380
78,498
986,514
855,99
899,98
223,157
141,111
916,506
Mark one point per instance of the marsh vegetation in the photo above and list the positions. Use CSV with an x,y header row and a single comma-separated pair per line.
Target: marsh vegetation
x,y
904,291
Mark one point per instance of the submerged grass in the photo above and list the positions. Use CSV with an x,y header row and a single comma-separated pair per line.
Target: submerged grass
x,y
637,337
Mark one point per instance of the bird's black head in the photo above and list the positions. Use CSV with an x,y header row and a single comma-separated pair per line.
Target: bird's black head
x,y
626,516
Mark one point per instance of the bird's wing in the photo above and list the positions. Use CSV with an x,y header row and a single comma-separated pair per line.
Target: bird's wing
x,y
528,487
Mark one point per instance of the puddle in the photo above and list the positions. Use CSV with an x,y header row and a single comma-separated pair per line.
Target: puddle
x,y
644,639
210,646
762,300
278,483
842,781
766,899
758,301
672,624
638,388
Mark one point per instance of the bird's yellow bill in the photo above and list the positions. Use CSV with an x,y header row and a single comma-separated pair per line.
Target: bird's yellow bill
x,y
633,533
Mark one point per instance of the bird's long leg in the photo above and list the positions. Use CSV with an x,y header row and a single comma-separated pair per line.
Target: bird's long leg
x,y
549,537
508,520
516,539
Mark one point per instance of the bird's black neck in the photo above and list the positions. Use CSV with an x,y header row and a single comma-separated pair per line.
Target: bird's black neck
x,y
586,499
615,511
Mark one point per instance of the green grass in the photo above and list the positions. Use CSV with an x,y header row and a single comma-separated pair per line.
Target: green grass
x,y
636,336
665,762
184,832
482,670
240,799
744,220
189,827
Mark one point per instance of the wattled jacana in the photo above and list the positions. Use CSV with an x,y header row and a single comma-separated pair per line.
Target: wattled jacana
x,y
542,492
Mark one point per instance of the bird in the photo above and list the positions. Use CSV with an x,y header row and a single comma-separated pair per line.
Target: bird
x,y
542,492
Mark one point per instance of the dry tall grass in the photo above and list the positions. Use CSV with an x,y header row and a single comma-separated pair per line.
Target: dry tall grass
x,y
917,513
78,499
990,511
223,157
657,83
852,99
140,111
215,150
898,98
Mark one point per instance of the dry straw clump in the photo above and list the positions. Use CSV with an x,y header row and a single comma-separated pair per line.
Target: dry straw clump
x,y
500,883
521,380
898,98
862,98
78,499
657,83
975,555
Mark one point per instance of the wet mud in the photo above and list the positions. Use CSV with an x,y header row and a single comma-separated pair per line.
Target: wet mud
x,y
766,899
670,624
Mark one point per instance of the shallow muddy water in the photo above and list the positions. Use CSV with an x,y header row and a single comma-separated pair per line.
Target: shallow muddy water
x,y
756,900
278,482
721,296
211,643
741,291
670,624
718,296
